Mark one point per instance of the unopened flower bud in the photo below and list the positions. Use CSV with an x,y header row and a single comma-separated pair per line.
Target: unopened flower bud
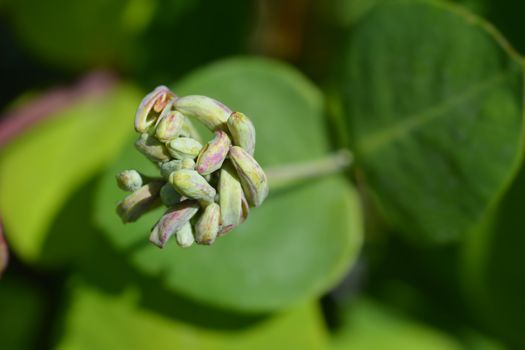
x,y
222,180
184,236
150,108
207,225
139,202
245,208
213,154
188,130
230,198
187,163
192,185
152,148
253,179
245,211
129,180
167,168
184,147
169,126
169,196
172,221
210,112
242,131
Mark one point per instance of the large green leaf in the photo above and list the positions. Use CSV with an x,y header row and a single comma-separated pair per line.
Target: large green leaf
x,y
507,17
493,267
40,169
80,34
367,325
292,248
133,35
23,308
189,22
98,320
434,104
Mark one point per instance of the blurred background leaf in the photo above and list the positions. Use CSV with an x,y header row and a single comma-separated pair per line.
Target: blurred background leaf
x,y
493,273
42,167
434,104
80,34
23,308
97,320
184,35
151,40
274,259
368,325
506,16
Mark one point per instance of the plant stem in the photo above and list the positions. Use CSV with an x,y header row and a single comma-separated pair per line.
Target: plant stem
x,y
286,175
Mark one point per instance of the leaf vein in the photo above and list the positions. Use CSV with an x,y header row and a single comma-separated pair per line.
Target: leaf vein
x,y
376,140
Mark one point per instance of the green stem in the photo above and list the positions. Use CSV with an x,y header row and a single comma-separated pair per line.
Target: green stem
x,y
287,175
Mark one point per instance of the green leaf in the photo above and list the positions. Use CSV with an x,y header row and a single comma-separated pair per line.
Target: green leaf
x,y
23,309
368,325
98,320
493,267
507,16
434,104
80,35
291,249
132,35
188,22
40,169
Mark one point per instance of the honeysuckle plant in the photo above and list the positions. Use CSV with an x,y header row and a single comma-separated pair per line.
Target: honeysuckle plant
x,y
436,127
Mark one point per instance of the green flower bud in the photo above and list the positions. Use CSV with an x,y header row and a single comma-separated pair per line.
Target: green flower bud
x,y
172,221
169,196
213,154
165,111
245,208
188,130
129,180
222,177
188,163
242,131
192,185
210,112
150,108
152,148
253,179
184,236
184,147
230,198
207,226
139,202
245,211
167,168
169,126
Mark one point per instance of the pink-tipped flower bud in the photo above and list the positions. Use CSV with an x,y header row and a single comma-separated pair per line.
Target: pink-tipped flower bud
x,y
213,154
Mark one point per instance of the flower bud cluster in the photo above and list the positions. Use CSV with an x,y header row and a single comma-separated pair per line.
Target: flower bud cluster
x,y
207,188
